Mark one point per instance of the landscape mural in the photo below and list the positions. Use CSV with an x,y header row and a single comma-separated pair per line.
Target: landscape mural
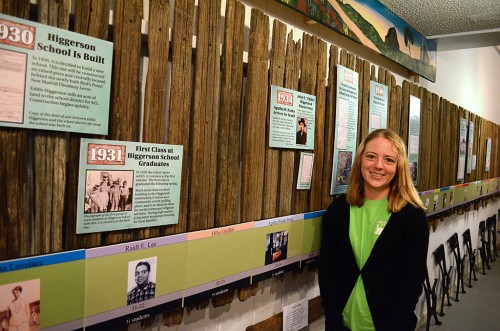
x,y
372,24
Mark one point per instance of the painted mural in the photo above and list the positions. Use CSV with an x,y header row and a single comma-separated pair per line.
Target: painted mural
x,y
372,24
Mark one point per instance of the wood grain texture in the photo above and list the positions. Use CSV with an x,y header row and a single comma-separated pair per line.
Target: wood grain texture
x,y
228,156
253,144
405,111
91,18
315,193
124,114
364,100
15,221
180,99
49,169
205,117
331,94
287,188
276,77
308,75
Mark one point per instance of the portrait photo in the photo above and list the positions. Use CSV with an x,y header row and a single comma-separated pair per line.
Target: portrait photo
x,y
301,136
141,285
276,246
20,305
108,191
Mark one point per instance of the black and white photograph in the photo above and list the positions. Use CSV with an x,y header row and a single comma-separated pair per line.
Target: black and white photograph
x,y
20,306
141,280
108,191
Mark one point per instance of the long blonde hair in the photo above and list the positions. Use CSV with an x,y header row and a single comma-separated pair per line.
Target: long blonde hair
x,y
401,191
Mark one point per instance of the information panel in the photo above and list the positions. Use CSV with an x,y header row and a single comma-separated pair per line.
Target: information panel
x,y
346,128
292,119
462,149
414,137
53,79
129,282
126,185
43,292
379,95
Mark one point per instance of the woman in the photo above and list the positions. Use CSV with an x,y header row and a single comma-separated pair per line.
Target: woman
x,y
374,242
19,311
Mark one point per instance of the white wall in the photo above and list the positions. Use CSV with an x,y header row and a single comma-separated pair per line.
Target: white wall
x,y
470,78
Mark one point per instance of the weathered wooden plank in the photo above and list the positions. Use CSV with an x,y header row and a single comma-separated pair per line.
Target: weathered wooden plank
x,y
205,115
50,160
276,77
180,99
15,221
330,125
364,101
124,114
308,74
405,111
424,169
436,109
228,162
286,191
91,18
254,140
315,193
155,94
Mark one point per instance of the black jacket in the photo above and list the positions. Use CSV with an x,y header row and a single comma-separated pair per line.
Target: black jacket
x,y
393,274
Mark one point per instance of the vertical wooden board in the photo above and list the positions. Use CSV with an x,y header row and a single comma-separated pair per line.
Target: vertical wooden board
x,y
228,156
343,58
424,169
364,101
330,125
392,114
435,162
351,61
155,94
180,99
91,18
50,160
124,114
455,141
15,221
254,140
205,115
276,77
287,189
405,111
319,132
308,75
481,150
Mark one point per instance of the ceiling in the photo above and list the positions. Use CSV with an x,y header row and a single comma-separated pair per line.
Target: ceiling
x,y
454,24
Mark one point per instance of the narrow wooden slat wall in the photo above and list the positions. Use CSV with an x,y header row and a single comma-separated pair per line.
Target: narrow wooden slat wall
x,y
315,192
228,164
276,77
205,114
124,113
292,67
253,149
15,221
91,18
307,84
180,99
424,169
331,93
50,160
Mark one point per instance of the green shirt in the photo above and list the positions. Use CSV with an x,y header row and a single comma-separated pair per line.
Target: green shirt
x,y
365,226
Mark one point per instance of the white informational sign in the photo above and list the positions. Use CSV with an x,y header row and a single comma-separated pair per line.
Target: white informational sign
x,y
125,185
488,154
379,95
414,137
346,128
295,316
292,119
470,144
305,171
53,79
462,149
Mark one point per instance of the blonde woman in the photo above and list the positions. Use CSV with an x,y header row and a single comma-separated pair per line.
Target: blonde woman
x,y
374,242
